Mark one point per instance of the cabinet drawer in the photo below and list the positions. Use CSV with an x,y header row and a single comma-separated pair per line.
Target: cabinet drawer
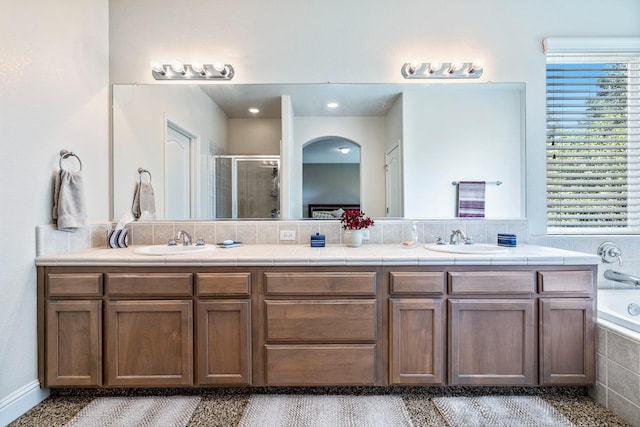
x,y
578,281
302,365
211,284
149,284
321,320
492,282
76,285
330,283
416,282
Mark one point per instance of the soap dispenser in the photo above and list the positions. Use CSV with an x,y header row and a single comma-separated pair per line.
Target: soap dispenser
x,y
414,234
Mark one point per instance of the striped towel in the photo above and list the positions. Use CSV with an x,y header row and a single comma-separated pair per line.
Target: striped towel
x,y
471,199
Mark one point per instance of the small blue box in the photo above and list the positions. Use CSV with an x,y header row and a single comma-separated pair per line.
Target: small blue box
x,y
317,240
508,240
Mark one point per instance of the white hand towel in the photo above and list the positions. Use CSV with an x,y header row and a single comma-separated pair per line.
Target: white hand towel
x,y
144,201
69,209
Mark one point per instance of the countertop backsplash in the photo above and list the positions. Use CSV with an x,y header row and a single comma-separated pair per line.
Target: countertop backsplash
x,y
50,241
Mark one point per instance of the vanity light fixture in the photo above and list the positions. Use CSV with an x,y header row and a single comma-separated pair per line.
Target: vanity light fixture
x,y
344,150
438,70
195,71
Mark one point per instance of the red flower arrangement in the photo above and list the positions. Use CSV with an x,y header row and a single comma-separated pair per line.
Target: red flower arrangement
x,y
354,219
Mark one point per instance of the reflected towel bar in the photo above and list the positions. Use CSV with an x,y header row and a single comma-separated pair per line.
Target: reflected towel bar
x,y
487,182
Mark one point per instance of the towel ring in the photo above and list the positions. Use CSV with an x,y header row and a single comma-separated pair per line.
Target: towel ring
x,y
66,153
141,171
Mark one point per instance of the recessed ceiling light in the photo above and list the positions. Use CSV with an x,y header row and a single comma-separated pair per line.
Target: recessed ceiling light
x,y
332,105
254,110
344,150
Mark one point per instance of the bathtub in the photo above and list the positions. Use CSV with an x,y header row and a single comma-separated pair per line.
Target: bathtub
x,y
612,306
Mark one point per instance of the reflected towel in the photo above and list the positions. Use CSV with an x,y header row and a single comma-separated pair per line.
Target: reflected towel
x,y
144,200
471,199
69,210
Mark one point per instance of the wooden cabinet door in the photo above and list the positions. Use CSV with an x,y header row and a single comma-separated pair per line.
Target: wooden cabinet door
x,y
149,343
567,345
74,343
224,342
492,342
416,341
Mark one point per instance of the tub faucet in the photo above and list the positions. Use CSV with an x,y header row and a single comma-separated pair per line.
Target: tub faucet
x,y
618,276
456,237
185,236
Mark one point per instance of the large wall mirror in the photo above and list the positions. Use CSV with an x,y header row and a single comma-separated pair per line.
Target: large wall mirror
x,y
411,141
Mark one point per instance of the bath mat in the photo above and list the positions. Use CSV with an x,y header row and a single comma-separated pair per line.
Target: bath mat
x,y
166,411
499,411
277,410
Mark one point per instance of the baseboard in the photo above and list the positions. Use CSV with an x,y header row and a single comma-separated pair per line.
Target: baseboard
x,y
20,401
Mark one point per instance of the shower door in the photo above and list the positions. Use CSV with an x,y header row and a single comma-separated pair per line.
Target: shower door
x,y
254,190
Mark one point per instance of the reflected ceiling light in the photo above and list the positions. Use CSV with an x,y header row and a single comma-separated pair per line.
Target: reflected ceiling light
x,y
442,70
195,71
332,105
254,110
344,150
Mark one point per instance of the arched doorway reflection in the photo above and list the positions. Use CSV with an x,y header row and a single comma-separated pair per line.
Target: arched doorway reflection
x,y
330,173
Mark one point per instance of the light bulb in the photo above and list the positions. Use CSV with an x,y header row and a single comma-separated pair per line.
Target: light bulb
x,y
475,66
455,66
157,67
220,67
178,67
332,105
254,110
198,67
434,67
414,66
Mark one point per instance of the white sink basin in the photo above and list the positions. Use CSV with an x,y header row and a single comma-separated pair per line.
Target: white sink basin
x,y
475,249
172,250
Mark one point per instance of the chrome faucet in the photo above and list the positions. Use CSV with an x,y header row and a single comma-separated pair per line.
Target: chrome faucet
x,y
185,236
456,237
621,277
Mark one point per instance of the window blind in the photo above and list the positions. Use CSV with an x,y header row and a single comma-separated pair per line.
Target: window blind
x,y
593,142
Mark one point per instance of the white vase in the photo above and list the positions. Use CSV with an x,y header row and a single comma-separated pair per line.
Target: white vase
x,y
353,238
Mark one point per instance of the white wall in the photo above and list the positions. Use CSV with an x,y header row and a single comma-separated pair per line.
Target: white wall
x,y
361,41
53,94
139,123
369,133
255,136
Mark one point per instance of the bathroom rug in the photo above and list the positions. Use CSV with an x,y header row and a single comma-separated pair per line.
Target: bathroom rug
x,y
143,411
498,411
278,410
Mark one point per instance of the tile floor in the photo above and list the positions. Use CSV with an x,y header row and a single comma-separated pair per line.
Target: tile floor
x,y
224,407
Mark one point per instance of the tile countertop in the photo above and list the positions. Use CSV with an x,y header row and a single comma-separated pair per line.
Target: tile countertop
x,y
292,255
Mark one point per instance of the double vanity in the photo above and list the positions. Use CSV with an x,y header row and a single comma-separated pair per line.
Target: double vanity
x,y
291,315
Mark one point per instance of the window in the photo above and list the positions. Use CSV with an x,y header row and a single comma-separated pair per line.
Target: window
x,y
593,142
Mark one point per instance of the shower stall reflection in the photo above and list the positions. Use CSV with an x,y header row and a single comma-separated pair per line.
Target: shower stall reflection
x,y
247,186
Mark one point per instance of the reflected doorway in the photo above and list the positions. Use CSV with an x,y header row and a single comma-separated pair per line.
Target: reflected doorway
x,y
180,168
393,183
330,172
